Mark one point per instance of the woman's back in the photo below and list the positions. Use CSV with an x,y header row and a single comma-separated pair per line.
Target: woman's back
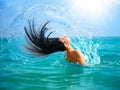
x,y
75,56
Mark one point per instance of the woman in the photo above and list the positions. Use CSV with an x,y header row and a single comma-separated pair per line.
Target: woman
x,y
42,45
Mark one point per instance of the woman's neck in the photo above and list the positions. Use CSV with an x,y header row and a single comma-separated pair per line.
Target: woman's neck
x,y
69,48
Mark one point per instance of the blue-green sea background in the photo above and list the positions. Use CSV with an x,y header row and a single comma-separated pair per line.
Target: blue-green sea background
x,y
22,71
19,70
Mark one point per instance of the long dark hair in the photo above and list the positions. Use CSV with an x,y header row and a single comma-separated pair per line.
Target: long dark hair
x,y
39,43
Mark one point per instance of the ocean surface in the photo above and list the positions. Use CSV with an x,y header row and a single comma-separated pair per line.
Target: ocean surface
x,y
22,71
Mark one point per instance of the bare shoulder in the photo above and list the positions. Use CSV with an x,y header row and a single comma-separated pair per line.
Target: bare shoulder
x,y
77,53
80,57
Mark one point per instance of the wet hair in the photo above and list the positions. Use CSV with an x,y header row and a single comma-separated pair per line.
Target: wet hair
x,y
39,43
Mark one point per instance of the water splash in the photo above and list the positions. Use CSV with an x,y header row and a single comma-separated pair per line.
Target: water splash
x,y
63,22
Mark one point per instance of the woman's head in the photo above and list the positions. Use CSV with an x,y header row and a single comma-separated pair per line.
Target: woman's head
x,y
39,43
65,40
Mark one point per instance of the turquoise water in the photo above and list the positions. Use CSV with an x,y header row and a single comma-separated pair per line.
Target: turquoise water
x,y
19,70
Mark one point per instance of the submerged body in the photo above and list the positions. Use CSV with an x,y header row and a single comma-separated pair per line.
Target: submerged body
x,y
42,45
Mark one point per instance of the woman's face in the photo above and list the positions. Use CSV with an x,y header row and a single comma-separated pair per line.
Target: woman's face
x,y
65,40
